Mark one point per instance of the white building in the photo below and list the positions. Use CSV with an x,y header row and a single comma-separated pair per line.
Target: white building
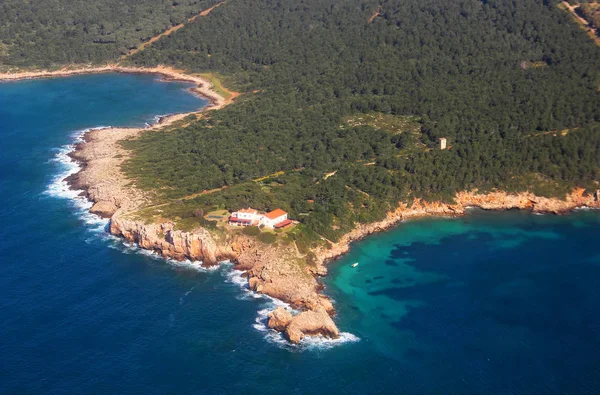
x,y
443,143
274,219
245,217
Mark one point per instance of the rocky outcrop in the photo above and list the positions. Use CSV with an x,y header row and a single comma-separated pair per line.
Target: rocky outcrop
x,y
279,319
498,200
307,323
273,270
311,323
162,238
101,156
282,275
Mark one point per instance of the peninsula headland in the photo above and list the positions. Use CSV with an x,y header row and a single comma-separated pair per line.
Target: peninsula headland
x,y
349,119
278,269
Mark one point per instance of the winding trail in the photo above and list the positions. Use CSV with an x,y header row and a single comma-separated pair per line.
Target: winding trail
x,y
585,25
375,15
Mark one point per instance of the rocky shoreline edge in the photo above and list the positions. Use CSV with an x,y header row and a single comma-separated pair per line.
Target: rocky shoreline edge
x,y
203,87
269,270
281,272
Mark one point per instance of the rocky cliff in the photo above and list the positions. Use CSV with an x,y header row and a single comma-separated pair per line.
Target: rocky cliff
x,y
498,200
275,270
170,243
279,269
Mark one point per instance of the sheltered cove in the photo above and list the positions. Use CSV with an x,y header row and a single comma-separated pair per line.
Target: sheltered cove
x,y
272,270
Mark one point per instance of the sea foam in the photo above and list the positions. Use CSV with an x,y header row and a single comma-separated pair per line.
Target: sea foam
x,y
269,304
59,188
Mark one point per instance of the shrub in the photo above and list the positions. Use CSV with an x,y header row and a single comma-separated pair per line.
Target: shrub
x,y
267,237
251,231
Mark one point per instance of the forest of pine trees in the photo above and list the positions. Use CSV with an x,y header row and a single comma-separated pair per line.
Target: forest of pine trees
x,y
513,86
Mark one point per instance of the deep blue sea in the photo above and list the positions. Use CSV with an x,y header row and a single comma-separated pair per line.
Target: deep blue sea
x,y
490,303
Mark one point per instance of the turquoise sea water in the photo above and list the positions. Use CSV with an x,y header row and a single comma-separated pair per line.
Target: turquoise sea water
x,y
489,303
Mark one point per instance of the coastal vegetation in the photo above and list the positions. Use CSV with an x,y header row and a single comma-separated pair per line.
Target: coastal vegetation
x,y
36,33
343,103
420,71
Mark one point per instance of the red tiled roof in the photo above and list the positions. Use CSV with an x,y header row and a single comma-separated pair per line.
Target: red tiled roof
x,y
275,213
283,224
235,219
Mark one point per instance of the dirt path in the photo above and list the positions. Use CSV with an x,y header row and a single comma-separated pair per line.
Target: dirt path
x,y
582,22
572,8
206,12
375,15
206,192
169,31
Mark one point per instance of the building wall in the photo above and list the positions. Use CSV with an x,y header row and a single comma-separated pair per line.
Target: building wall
x,y
270,223
249,216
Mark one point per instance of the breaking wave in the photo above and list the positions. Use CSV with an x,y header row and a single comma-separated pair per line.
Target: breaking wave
x,y
59,188
97,225
269,304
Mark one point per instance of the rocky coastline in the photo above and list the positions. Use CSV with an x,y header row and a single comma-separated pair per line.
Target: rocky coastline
x,y
497,201
277,270
272,270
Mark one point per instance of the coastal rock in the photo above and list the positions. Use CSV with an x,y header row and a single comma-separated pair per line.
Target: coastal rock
x,y
311,323
104,208
498,200
278,270
281,276
176,244
279,319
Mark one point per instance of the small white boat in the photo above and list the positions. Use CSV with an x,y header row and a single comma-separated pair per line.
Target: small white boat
x,y
355,264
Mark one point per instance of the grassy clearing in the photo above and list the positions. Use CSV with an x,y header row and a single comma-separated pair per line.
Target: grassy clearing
x,y
217,82
394,124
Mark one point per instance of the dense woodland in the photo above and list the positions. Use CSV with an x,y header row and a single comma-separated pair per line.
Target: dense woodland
x,y
497,78
56,32
512,84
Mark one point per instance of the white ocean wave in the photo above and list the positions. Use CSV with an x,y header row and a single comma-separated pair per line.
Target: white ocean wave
x,y
309,343
192,265
237,277
59,188
182,298
585,208
262,317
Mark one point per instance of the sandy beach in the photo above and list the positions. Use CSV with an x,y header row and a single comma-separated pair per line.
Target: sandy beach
x,y
203,87
101,154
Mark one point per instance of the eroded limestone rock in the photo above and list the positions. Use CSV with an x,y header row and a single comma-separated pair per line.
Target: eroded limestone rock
x,y
279,319
311,323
